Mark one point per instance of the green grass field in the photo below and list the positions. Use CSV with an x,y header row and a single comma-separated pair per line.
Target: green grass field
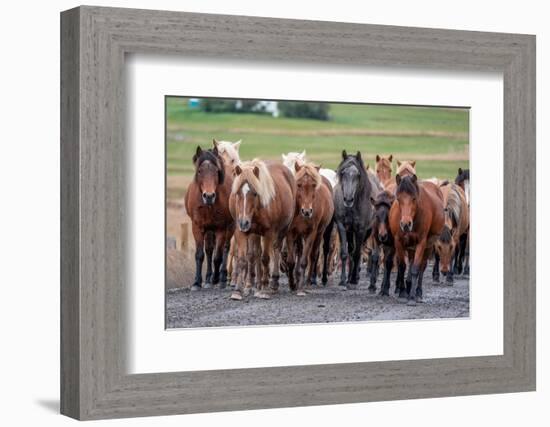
x,y
437,138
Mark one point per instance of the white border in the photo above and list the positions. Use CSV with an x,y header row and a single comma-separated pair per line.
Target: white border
x,y
152,349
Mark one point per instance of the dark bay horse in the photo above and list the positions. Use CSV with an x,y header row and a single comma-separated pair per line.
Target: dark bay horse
x,y
457,224
262,202
313,214
416,221
207,203
353,213
382,234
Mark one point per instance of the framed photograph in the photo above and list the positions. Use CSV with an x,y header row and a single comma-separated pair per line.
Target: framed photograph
x,y
262,213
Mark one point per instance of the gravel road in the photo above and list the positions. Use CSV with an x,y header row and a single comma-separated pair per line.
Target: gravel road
x,y
212,307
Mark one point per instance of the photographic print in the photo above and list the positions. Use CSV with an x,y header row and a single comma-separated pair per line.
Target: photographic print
x,y
282,212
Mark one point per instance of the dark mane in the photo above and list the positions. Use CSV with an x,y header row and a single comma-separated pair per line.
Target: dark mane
x,y
352,160
385,198
211,155
445,235
408,185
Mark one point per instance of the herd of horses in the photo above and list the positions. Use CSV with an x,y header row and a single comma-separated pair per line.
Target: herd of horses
x,y
255,219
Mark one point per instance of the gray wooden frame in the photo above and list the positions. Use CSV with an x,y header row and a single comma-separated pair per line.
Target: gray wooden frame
x,y
94,41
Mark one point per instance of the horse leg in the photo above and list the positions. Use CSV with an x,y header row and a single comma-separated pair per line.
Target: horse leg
x,y
452,268
375,259
241,241
466,254
388,265
326,251
303,265
291,259
435,269
360,237
343,252
401,267
225,254
419,297
275,274
218,255
314,259
251,261
198,234
415,294
209,246
267,250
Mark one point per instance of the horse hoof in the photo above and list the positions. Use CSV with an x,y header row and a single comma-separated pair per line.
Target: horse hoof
x,y
419,300
372,289
223,285
411,302
195,287
450,282
246,291
383,293
236,296
262,295
300,294
352,286
466,272
208,285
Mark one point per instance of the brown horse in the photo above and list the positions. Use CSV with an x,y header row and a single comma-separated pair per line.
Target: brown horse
x,y
416,221
207,203
457,224
262,202
313,213
384,170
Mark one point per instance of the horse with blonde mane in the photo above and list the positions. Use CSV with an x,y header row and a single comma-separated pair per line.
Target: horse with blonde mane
x,y
384,170
313,214
262,202
293,158
457,224
229,151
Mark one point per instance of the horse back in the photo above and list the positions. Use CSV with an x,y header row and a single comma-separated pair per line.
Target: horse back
x,y
432,205
285,193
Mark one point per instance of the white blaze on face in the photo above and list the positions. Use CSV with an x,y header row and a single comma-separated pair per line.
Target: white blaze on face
x,y
467,190
244,190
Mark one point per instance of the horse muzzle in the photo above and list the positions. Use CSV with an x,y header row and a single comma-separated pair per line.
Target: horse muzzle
x,y
245,225
383,237
348,202
307,213
406,227
208,198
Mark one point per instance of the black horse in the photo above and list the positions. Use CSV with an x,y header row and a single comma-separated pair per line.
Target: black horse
x,y
353,213
382,234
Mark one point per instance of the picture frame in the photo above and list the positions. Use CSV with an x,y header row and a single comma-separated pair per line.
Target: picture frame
x,y
94,268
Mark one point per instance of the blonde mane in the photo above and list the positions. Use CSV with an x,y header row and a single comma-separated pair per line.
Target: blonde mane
x,y
406,168
294,158
310,170
453,204
262,184
229,151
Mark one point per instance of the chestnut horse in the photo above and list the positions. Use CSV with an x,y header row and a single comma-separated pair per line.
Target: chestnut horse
x,y
416,221
262,202
384,170
313,214
207,203
381,233
457,224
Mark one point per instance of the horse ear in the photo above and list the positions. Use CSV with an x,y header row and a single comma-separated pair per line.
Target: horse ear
x,y
344,154
284,157
198,153
460,171
256,171
318,167
236,145
398,179
378,158
297,167
214,142
413,163
390,158
358,155
215,151
398,163
303,155
413,179
237,170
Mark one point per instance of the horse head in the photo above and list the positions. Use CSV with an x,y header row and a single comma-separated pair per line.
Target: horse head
x,y
229,151
209,173
406,168
352,177
253,189
293,158
383,167
308,182
407,194
382,205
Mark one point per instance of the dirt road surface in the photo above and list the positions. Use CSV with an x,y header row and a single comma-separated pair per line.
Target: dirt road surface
x,y
212,307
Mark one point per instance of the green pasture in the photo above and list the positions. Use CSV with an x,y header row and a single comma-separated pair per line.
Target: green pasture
x,y
437,138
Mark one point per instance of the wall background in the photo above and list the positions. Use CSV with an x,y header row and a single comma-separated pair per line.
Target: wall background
x,y
29,211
